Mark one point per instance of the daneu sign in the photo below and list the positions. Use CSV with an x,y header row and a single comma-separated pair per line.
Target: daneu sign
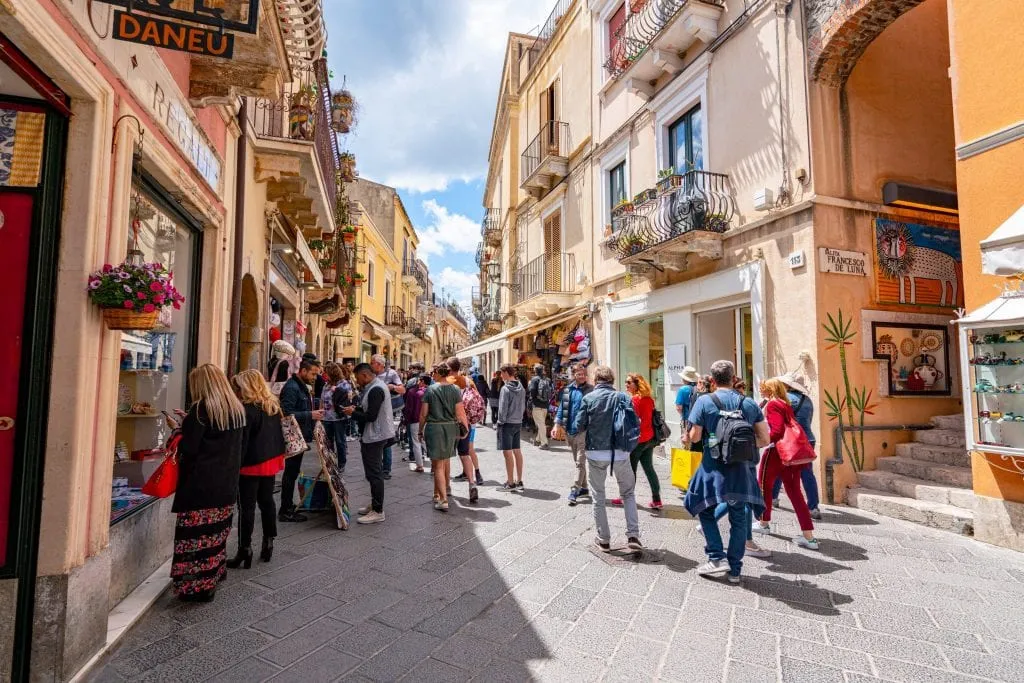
x,y
241,16
136,28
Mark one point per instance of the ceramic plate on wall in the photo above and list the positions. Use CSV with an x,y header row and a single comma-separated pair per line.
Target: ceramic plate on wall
x,y
908,347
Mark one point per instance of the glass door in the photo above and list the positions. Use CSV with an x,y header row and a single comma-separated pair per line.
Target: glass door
x,y
642,350
727,334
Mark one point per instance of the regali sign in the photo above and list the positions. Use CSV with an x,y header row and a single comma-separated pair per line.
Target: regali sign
x,y
845,262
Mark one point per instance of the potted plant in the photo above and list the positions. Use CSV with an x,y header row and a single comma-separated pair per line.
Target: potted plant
x,y
632,244
342,111
317,245
669,180
132,294
348,233
347,167
622,208
300,114
644,196
357,279
635,6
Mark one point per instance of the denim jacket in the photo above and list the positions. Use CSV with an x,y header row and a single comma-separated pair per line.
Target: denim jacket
x,y
597,417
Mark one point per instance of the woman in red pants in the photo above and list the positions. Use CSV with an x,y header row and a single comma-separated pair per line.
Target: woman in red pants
x,y
779,413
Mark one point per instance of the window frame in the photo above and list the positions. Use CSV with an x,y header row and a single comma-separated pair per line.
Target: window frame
x,y
371,275
610,176
615,156
688,90
685,121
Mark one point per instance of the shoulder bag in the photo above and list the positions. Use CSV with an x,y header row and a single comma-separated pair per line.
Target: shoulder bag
x,y
794,448
294,442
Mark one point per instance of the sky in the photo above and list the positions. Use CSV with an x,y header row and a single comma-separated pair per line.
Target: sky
x,y
425,75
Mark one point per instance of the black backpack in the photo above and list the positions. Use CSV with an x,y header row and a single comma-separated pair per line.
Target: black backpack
x,y
736,440
544,389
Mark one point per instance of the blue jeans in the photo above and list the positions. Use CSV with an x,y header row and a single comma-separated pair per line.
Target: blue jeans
x,y
722,508
738,519
810,486
341,442
387,461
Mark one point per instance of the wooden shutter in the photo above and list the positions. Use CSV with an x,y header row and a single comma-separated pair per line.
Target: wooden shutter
x,y
614,24
553,252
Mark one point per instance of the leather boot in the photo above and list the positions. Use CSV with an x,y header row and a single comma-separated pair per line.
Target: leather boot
x,y
242,558
268,549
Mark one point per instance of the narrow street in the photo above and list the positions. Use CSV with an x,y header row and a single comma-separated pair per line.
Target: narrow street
x,y
510,590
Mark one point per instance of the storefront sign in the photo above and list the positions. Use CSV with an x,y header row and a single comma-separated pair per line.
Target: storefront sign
x,y
186,134
138,28
845,262
240,15
675,362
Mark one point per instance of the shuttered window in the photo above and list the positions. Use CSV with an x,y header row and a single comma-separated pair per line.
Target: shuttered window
x,y
553,252
614,24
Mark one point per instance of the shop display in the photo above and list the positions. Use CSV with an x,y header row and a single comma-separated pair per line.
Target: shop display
x,y
919,364
996,387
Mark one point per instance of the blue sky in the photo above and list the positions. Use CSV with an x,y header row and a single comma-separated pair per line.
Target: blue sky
x,y
425,74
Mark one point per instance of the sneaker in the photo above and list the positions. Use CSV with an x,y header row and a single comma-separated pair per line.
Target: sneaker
x,y
520,488
479,478
603,545
615,501
713,568
754,550
759,528
474,494
633,543
734,578
573,495
507,487
365,510
815,513
291,516
583,491
372,518
386,475
461,477
441,505
804,543
655,505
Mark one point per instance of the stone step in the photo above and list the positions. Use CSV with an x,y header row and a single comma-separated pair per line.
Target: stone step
x,y
951,422
918,489
942,437
946,475
942,455
927,513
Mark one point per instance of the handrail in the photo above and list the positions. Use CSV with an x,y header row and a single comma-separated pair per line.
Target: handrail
x,y
640,28
394,316
837,448
548,273
552,140
547,30
490,226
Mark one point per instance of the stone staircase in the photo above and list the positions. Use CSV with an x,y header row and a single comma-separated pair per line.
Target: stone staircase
x,y
928,481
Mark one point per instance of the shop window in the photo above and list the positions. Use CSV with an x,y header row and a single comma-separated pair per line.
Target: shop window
x,y
154,364
642,350
686,142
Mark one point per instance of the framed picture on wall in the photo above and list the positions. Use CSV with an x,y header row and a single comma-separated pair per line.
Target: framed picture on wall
x,y
917,357
917,264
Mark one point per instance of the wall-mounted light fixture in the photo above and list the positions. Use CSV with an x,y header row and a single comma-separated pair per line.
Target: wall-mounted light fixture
x,y
922,198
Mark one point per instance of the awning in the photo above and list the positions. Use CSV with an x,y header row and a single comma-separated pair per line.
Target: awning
x,y
1007,309
377,329
1002,252
485,346
498,341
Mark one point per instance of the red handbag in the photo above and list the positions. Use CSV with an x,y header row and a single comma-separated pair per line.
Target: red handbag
x,y
794,448
164,481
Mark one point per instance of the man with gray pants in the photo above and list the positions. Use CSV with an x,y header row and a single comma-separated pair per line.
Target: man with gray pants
x,y
608,444
568,407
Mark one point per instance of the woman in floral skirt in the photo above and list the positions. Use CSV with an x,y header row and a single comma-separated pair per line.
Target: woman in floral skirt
x,y
209,459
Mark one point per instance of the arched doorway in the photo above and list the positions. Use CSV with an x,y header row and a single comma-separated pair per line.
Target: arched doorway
x,y
249,329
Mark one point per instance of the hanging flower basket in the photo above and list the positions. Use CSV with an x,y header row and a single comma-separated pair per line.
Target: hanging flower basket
x,y
358,279
132,294
300,115
342,111
348,234
347,167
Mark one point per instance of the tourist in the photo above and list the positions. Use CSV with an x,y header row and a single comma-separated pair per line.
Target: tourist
x,y
378,429
330,399
779,415
209,459
481,387
466,450
262,459
411,415
492,397
803,408
639,391
442,422
511,408
724,475
410,418
297,401
686,392
319,380
343,400
565,423
608,444
540,393
396,390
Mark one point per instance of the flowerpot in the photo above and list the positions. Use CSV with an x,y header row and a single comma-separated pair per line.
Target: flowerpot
x,y
348,237
635,6
127,319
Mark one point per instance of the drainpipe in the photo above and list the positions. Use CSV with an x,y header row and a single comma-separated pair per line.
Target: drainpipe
x,y
236,285
837,448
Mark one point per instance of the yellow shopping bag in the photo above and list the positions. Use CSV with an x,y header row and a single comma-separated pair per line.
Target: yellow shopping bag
x,y
684,464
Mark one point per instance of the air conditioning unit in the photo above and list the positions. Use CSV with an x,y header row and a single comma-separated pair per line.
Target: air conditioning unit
x,y
763,199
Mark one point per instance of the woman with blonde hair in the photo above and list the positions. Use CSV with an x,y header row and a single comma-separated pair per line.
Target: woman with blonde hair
x,y
262,459
779,414
209,458
643,404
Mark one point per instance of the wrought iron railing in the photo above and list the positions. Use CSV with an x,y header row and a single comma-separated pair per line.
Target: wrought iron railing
x,y
548,273
547,31
687,203
411,269
551,141
490,227
394,316
644,20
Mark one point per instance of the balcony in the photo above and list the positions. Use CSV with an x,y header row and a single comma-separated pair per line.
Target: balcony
x,y
689,215
412,277
296,152
413,331
546,159
654,34
394,318
545,285
490,228
554,21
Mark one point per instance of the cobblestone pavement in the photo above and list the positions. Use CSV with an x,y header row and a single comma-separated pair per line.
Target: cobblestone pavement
x,y
509,590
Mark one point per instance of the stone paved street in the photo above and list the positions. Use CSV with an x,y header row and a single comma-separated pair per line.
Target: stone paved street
x,y
509,590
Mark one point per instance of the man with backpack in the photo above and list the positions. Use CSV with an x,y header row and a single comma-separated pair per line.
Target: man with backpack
x,y
733,429
612,430
540,393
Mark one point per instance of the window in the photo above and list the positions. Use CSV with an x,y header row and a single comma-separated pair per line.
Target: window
x,y
617,184
614,24
371,285
685,142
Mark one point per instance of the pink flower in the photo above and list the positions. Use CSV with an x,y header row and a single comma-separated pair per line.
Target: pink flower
x,y
149,308
156,286
158,299
128,303
177,306
140,295
94,284
107,267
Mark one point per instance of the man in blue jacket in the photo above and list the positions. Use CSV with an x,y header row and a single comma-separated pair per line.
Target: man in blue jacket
x,y
568,408
297,401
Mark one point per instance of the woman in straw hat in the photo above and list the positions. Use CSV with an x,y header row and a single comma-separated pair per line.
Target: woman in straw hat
x,y
803,408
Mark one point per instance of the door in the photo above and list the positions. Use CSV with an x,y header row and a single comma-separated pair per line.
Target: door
x,y
15,234
553,252
716,338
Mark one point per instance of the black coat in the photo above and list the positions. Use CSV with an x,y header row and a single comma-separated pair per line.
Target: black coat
x,y
296,400
208,463
264,439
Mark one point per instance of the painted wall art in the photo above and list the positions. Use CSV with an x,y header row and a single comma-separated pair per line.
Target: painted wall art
x,y
918,264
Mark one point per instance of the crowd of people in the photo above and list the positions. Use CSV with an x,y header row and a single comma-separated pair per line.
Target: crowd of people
x,y
232,446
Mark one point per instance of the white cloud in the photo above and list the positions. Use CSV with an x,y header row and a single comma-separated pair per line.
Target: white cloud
x,y
458,284
425,74
446,233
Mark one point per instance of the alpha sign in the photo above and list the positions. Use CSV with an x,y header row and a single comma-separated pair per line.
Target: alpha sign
x,y
241,16
138,28
845,262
